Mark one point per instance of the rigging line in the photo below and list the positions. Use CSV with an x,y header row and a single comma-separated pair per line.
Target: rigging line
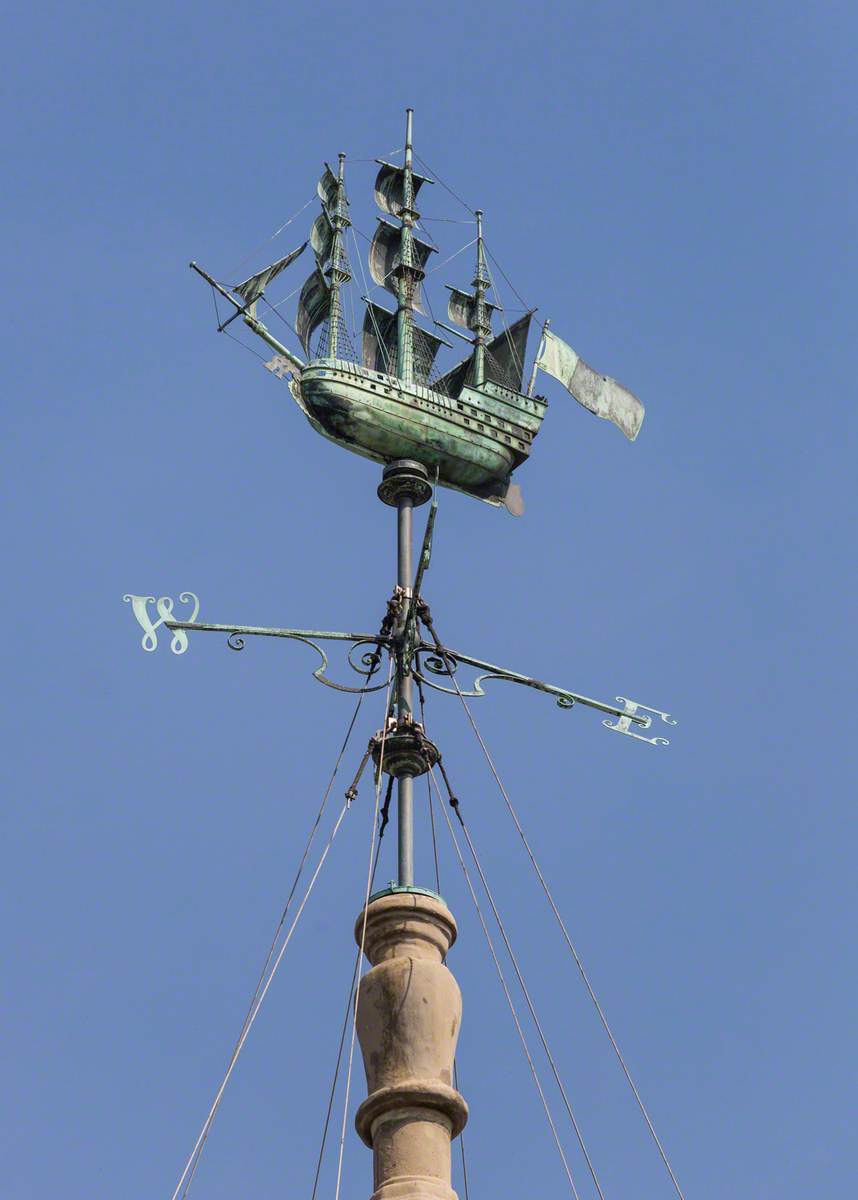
x,y
279,314
285,299
244,345
339,1061
446,187
462,1134
563,928
369,877
513,351
461,250
366,292
335,1079
506,990
431,800
275,234
249,1025
529,1001
431,803
527,307
447,220
310,839
567,938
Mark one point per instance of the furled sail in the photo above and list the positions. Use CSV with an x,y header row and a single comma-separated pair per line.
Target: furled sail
x,y
461,308
313,307
390,188
322,237
504,361
384,258
379,343
601,395
251,289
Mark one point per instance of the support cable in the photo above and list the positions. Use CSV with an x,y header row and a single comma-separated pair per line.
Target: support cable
x,y
345,1024
369,877
602,1017
307,847
506,991
194,1158
431,805
454,804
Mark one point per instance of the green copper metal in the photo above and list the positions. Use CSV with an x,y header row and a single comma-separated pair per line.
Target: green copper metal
x,y
339,275
405,339
482,327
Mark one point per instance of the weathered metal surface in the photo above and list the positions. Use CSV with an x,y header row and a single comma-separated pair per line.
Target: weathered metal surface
x,y
424,661
384,419
164,608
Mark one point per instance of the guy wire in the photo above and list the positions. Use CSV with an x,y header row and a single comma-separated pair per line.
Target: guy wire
x,y
506,991
602,1017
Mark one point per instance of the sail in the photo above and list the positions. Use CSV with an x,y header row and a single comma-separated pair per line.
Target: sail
x,y
390,188
322,237
461,308
313,306
328,188
505,354
598,393
384,258
251,289
504,361
380,343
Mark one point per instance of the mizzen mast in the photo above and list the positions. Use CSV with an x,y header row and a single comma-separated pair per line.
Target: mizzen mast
x,y
482,321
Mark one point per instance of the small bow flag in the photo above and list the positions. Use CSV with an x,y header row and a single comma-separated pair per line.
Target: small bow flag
x,y
602,396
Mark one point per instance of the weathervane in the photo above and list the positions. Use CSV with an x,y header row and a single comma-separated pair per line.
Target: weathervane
x,y
467,428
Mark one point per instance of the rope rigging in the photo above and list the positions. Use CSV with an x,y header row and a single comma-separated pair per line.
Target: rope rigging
x,y
507,993
426,618
455,805
270,968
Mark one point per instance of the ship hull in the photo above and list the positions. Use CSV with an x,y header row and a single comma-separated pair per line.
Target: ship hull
x,y
470,441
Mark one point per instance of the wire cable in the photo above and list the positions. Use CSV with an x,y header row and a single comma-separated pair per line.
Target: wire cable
x,y
369,877
249,1024
342,1042
307,847
530,1005
506,991
602,1017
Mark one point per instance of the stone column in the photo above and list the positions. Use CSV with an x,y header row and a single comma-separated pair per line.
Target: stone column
x,y
408,1016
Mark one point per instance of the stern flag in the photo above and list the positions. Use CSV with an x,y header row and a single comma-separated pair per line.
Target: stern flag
x,y
601,395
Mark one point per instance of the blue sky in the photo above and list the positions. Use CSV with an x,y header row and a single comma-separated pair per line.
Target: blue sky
x,y
675,189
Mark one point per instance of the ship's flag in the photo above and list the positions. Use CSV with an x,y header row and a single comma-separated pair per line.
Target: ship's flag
x,y
598,393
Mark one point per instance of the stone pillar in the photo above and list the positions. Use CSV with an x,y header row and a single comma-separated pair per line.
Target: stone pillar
x,y
408,1016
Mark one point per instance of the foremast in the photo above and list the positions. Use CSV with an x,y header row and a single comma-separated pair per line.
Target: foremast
x,y
339,273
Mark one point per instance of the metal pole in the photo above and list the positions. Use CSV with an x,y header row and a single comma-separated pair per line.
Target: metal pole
x,y
405,799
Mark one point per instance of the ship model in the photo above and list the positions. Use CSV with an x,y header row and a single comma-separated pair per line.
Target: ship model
x,y
471,426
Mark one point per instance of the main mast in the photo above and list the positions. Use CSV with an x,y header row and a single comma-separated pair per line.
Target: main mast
x,y
406,269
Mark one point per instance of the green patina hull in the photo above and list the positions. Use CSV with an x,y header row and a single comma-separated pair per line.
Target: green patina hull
x,y
475,441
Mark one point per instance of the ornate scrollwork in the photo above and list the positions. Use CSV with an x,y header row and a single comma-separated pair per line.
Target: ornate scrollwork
x,y
438,660
164,608
367,666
